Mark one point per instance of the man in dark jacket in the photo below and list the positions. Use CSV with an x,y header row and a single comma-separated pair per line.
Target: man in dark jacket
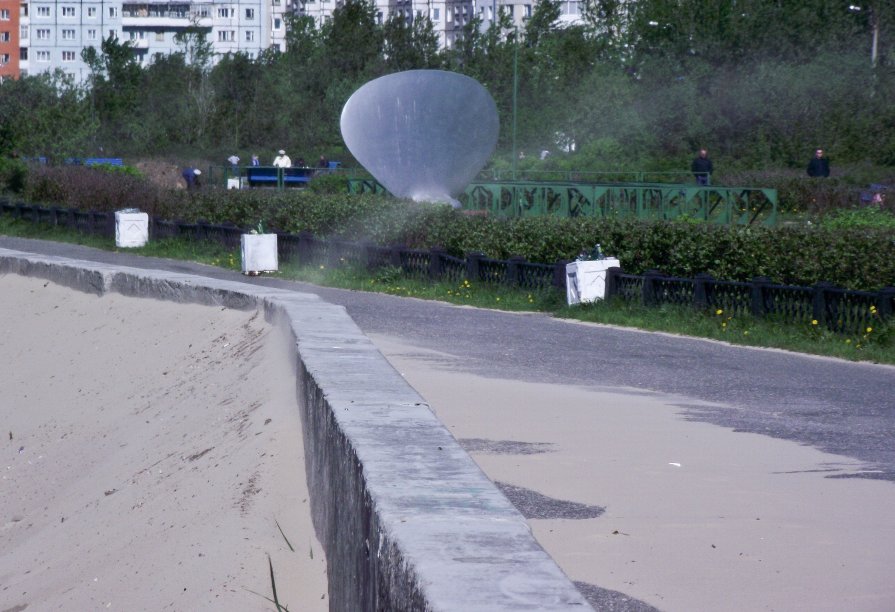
x,y
702,167
819,165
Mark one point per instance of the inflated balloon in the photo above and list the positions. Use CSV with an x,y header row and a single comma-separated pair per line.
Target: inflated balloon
x,y
423,134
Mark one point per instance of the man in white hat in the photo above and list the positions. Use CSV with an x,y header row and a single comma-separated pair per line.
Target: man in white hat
x,y
282,160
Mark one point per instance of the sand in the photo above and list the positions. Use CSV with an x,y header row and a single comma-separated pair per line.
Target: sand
x,y
697,517
149,452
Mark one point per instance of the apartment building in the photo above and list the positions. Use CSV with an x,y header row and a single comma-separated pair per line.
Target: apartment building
x,y
448,16
53,32
43,35
10,28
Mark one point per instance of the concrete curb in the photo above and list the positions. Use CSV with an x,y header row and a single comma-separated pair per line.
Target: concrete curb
x,y
408,520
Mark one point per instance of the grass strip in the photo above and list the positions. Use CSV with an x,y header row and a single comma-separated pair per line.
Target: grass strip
x,y
876,343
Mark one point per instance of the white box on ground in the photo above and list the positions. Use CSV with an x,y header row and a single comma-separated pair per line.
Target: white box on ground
x,y
259,253
131,229
586,280
234,183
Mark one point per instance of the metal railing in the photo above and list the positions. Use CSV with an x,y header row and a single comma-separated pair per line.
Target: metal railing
x,y
660,201
840,310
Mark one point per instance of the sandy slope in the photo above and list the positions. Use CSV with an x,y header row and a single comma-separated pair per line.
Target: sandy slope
x,y
148,451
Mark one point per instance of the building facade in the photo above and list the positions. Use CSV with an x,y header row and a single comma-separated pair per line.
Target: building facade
x,y
10,29
52,33
43,35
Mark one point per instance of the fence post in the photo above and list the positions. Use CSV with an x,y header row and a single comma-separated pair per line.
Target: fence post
x,y
612,281
819,302
700,297
649,288
884,300
559,273
473,259
514,270
394,256
304,247
436,269
756,302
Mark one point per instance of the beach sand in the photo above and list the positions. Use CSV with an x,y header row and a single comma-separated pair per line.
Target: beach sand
x,y
151,454
697,517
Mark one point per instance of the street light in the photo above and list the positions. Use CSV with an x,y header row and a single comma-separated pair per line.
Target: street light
x,y
515,90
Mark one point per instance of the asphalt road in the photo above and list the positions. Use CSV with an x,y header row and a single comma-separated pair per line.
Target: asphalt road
x,y
836,406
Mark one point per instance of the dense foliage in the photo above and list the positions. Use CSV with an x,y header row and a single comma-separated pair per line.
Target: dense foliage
x,y
638,85
852,249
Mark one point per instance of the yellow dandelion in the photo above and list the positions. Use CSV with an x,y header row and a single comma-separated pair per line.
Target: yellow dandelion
x,y
746,333
813,321
498,299
869,329
848,340
719,312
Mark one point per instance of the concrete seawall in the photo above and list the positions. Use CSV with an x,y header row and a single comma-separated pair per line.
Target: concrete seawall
x,y
408,520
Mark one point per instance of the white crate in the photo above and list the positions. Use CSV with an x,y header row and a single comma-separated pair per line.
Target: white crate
x,y
131,229
586,280
259,253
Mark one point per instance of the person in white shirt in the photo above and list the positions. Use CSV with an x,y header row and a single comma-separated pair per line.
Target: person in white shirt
x,y
282,160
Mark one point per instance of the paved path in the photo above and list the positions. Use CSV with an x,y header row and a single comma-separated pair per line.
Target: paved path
x,y
835,406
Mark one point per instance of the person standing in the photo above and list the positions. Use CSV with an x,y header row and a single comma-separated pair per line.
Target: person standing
x,y
234,160
819,166
282,160
255,161
702,167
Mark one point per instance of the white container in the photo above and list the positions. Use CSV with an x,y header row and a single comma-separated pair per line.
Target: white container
x,y
586,280
259,253
234,183
131,229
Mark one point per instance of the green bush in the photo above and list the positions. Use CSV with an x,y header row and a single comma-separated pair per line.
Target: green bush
x,y
13,174
853,251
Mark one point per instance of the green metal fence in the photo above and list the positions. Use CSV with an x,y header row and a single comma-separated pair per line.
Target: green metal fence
x,y
710,203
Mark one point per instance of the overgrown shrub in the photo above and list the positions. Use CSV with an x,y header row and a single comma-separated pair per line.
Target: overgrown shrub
x,y
98,188
13,174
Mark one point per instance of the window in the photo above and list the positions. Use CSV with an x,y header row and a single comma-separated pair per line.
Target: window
x,y
113,34
527,12
68,11
43,11
68,34
226,35
23,54
250,14
225,13
250,35
277,23
91,11
4,14
160,36
23,33
43,34
4,36
43,56
68,56
4,58
113,11
436,14
91,34
23,9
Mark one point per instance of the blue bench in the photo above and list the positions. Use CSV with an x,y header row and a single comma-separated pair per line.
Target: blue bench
x,y
103,161
268,175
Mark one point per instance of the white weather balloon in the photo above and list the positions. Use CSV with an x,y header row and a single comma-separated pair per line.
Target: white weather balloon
x,y
423,134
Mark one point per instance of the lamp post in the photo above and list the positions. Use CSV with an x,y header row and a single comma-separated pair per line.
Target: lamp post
x,y
515,91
